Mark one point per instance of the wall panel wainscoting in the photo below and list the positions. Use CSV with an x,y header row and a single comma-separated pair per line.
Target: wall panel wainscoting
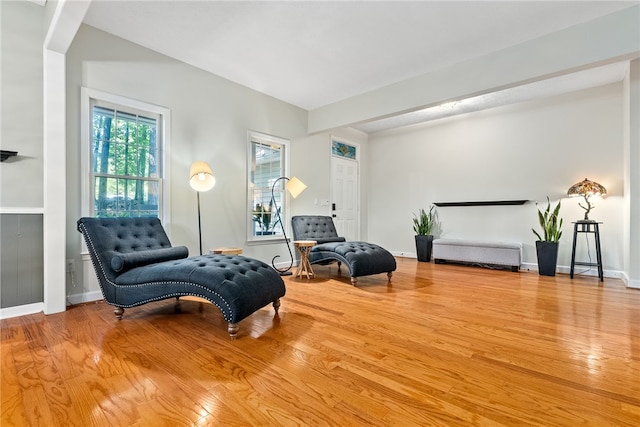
x,y
21,259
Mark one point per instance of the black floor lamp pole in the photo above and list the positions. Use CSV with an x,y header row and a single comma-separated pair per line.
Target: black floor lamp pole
x,y
199,223
286,271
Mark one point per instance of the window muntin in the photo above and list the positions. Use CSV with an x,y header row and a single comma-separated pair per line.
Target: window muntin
x,y
267,163
125,172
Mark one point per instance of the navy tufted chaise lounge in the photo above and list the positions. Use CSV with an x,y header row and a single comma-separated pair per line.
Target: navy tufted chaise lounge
x,y
362,258
136,264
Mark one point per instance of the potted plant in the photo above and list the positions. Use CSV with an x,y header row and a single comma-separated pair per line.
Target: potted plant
x,y
262,216
422,225
547,244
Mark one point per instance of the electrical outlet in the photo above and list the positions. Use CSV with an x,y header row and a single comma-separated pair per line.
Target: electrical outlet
x,y
70,266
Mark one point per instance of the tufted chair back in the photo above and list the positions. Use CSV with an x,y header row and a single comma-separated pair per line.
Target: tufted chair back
x,y
315,227
118,244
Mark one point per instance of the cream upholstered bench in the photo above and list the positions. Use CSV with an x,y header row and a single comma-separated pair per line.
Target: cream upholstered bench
x,y
478,252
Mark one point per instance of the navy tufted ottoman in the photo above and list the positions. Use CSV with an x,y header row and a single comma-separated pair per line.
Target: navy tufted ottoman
x,y
136,264
362,258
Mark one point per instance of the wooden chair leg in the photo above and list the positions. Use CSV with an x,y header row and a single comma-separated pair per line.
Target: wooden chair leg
x,y
233,330
118,311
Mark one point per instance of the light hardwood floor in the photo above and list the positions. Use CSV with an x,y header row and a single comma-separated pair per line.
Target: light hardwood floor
x,y
442,345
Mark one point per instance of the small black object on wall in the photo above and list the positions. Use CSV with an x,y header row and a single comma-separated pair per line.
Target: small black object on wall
x,y
5,154
483,203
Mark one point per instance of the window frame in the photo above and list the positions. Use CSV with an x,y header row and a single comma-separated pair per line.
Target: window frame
x,y
91,96
266,139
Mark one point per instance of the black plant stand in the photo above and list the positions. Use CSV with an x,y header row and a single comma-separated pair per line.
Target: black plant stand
x,y
587,227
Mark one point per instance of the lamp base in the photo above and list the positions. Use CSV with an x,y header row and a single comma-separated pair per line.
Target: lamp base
x,y
285,273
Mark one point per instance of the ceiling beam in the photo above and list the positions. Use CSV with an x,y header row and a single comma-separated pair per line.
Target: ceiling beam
x,y
605,40
64,25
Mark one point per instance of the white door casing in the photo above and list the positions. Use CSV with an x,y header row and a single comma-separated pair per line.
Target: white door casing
x,y
345,197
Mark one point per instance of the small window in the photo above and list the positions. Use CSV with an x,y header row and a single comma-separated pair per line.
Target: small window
x,y
342,149
267,163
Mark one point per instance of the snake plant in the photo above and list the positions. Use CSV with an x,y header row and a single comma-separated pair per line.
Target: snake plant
x,y
423,222
550,222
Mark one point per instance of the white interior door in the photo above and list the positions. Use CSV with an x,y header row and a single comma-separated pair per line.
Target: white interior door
x,y
345,197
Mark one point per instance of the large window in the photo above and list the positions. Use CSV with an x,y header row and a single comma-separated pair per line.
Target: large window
x,y
124,155
267,163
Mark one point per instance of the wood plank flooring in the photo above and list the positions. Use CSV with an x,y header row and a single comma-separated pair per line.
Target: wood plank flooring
x,y
442,345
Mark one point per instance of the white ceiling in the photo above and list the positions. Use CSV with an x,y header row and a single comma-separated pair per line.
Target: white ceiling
x,y
314,53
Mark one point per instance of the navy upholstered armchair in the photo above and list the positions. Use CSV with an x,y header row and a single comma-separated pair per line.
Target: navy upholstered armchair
x,y
362,258
136,264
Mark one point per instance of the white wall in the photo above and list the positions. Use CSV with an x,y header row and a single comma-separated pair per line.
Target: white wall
x,y
21,113
524,151
210,120
311,162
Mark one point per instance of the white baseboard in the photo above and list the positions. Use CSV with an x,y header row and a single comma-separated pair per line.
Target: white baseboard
x,y
21,310
84,297
630,283
565,269
38,307
581,270
404,254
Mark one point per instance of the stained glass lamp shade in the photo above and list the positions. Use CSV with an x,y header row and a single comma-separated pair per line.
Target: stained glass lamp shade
x,y
586,189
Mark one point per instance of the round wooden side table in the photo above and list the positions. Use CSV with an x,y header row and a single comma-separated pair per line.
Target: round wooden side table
x,y
304,247
226,251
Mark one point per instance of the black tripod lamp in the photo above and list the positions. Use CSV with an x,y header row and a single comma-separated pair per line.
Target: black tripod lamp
x,y
201,179
294,186
586,189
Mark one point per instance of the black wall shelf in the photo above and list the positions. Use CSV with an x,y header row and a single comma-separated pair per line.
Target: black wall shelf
x,y
484,203
5,154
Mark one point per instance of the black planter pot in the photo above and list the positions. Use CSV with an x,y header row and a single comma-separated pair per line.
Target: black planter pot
x,y
547,257
424,244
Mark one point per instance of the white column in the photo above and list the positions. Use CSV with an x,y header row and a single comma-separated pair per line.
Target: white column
x,y
55,194
631,123
65,22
